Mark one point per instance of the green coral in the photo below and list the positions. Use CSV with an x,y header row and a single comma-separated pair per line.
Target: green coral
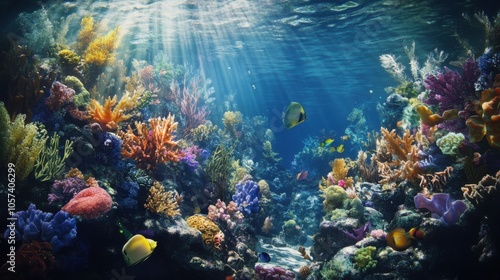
x,y
450,142
49,164
407,89
364,258
82,96
334,198
336,268
20,143
356,208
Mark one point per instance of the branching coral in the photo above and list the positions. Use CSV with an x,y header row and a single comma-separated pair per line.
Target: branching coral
x,y
108,115
162,202
49,164
202,132
338,175
435,182
20,144
403,161
151,145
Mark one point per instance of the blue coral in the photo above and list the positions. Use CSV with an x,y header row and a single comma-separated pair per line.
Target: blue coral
x,y
247,197
127,195
36,225
109,149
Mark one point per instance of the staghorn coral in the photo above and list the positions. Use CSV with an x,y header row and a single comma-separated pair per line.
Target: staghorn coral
x,y
398,157
162,202
101,50
211,235
49,164
151,145
485,193
108,115
20,143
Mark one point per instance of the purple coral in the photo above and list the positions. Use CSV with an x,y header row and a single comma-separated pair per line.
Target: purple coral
x,y
64,190
358,233
449,89
229,214
247,196
189,156
60,95
441,207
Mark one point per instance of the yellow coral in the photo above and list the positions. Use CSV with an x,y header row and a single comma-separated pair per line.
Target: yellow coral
x,y
210,232
101,51
162,202
268,152
68,57
87,33
203,131
231,120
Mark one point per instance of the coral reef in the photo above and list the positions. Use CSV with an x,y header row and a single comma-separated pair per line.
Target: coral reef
x,y
229,215
151,145
364,258
163,202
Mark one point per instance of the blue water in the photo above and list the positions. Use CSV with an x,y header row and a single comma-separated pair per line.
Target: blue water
x,y
262,55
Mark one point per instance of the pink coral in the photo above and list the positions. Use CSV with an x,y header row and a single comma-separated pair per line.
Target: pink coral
x,y
59,96
90,203
229,214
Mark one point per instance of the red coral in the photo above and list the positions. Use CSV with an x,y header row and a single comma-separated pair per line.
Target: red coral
x,y
34,260
90,203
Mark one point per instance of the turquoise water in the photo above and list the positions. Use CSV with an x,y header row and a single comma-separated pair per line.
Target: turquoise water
x,y
254,57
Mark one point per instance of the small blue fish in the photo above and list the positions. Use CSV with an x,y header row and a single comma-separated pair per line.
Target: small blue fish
x,y
264,257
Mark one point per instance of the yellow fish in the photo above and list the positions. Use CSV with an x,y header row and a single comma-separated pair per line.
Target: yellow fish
x,y
293,115
326,143
137,249
340,148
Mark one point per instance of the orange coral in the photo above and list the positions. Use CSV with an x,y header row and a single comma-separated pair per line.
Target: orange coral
x,y
403,165
152,145
429,118
487,121
108,116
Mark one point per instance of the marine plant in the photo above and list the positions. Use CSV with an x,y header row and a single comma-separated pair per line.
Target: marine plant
x,y
364,258
162,202
20,143
101,50
153,144
37,30
68,57
88,32
218,168
49,163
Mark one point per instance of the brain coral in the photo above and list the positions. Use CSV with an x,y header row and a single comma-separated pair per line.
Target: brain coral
x,y
210,233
